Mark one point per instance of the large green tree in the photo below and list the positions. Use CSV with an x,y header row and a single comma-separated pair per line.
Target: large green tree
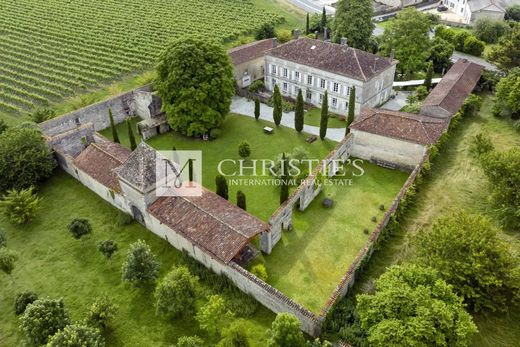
x,y
503,172
42,319
141,265
353,20
214,315
285,332
25,158
75,336
195,82
468,254
508,92
440,54
408,36
176,293
412,306
506,54
490,30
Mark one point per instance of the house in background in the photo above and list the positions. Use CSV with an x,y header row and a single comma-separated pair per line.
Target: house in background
x,y
248,61
471,10
317,66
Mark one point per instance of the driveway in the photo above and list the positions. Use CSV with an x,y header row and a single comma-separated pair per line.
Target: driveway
x,y
314,6
459,55
398,102
246,107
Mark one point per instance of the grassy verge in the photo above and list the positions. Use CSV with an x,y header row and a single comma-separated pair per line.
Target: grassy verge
x,y
53,264
310,260
313,117
456,182
261,201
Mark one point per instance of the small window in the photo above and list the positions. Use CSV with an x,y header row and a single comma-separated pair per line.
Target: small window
x,y
297,75
348,90
323,83
273,82
336,87
284,86
309,79
334,102
309,95
321,98
346,105
285,72
273,69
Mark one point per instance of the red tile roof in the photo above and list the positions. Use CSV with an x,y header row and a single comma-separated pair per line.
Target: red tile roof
x,y
455,86
404,126
250,51
100,161
210,222
332,57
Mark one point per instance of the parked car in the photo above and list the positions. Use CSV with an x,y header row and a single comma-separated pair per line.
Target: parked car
x,y
442,8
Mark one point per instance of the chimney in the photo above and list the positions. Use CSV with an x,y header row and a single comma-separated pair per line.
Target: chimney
x,y
392,54
344,41
275,42
296,34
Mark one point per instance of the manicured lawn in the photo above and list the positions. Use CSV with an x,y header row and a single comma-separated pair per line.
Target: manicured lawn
x,y
53,264
457,182
313,117
309,261
261,201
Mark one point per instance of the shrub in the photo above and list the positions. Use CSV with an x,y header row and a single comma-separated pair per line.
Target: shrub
x,y
256,86
190,341
366,231
260,271
285,332
381,207
459,38
23,300
108,248
412,108
20,206
471,105
422,92
516,125
513,13
41,115
215,133
3,239
284,36
374,219
481,144
7,259
214,316
100,313
42,319
79,227
141,265
244,149
473,46
222,186
123,219
77,335
266,31
490,30
241,200
3,126
175,294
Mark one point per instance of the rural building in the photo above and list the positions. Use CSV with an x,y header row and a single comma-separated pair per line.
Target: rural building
x,y
248,61
471,10
394,139
450,93
316,66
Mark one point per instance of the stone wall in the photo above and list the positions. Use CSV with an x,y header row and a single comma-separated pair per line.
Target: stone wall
x,y
302,197
139,102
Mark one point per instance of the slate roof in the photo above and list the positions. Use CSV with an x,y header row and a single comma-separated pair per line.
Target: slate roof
x,y
139,169
460,80
101,160
490,5
332,57
410,127
250,51
210,222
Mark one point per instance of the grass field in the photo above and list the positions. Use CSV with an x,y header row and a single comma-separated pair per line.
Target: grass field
x,y
53,264
261,202
313,117
310,260
52,49
457,183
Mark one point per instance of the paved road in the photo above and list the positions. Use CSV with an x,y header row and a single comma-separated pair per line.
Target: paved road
x,y
246,107
459,55
313,6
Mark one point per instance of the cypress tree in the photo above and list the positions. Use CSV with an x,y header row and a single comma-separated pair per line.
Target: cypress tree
x,y
222,186
257,108
241,200
429,76
324,116
351,109
307,25
323,20
131,136
299,113
113,126
284,184
277,106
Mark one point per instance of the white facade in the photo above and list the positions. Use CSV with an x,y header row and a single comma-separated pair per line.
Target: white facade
x,y
471,10
291,77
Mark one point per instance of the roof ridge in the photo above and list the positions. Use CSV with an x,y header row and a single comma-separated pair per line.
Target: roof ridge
x,y
359,65
105,152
